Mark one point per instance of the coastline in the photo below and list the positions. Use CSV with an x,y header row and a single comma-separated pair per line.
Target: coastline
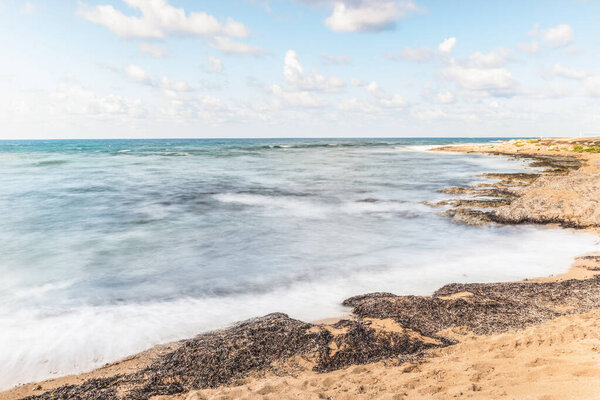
x,y
382,346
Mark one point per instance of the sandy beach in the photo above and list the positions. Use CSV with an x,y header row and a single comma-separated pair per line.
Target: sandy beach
x,y
535,339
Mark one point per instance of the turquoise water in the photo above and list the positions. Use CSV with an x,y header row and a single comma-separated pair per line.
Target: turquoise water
x,y
109,247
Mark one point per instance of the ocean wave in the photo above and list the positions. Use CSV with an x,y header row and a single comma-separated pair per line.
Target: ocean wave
x,y
317,145
309,208
41,290
48,345
50,163
295,206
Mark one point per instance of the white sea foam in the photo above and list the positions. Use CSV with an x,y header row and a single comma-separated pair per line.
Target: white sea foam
x,y
39,345
293,205
416,148
307,208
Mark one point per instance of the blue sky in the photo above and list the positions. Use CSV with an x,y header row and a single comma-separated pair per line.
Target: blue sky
x,y
300,68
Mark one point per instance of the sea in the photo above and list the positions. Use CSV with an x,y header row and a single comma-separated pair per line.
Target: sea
x,y
109,247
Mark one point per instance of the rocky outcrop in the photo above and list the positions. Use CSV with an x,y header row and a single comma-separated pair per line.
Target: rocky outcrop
x,y
567,192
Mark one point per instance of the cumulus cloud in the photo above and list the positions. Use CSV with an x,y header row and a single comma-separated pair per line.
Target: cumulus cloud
x,y
226,45
297,78
558,36
205,108
591,86
153,50
418,55
554,90
213,65
75,99
445,97
447,45
174,85
496,81
159,20
137,73
140,75
355,105
295,98
493,59
367,15
529,47
383,98
302,88
569,73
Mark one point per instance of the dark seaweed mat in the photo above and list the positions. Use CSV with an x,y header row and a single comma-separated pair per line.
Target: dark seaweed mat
x,y
493,308
222,357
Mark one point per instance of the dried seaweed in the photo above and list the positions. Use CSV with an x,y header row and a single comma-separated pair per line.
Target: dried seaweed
x,y
487,309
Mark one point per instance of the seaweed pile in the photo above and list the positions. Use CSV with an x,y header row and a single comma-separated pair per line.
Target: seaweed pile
x,y
254,346
482,308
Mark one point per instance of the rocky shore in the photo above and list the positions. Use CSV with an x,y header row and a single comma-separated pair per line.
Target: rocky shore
x,y
516,340
566,192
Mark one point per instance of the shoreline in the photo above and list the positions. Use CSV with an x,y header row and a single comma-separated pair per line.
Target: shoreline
x,y
381,335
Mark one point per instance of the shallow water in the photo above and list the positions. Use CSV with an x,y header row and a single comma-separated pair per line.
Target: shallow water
x,y
110,247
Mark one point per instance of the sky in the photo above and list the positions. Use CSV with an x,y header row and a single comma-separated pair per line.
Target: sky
x,y
298,68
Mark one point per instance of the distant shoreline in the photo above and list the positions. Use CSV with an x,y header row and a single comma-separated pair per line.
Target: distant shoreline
x,y
393,345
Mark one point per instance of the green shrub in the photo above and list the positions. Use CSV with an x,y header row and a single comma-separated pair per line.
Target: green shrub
x,y
587,149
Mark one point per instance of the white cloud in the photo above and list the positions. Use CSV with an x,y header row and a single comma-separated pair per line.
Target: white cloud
x,y
75,99
367,15
383,98
302,88
569,73
554,90
137,73
557,36
140,75
572,49
447,45
299,79
341,59
153,50
529,47
445,97
356,82
173,85
354,105
296,98
28,8
213,64
493,59
437,114
160,20
591,86
226,45
418,55
493,80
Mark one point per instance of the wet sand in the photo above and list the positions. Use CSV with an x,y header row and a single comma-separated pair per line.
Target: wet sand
x,y
537,339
